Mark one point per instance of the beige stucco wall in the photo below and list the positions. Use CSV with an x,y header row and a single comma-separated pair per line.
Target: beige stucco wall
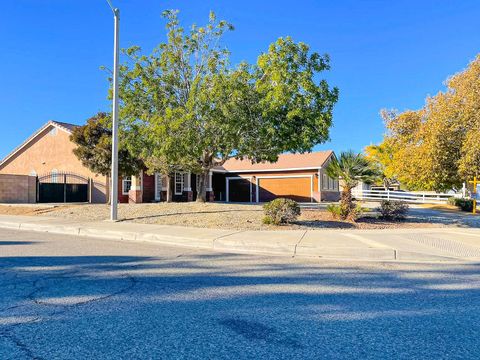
x,y
17,188
52,151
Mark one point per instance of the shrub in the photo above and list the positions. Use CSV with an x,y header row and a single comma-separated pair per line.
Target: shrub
x,y
280,211
462,203
393,210
340,212
452,201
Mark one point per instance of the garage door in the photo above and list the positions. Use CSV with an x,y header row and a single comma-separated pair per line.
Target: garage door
x,y
295,188
239,190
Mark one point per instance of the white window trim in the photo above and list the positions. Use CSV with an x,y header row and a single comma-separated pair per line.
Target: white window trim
x,y
125,179
182,177
227,185
282,177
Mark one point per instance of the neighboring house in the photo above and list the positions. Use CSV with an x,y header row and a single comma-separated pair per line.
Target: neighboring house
x,y
300,177
297,176
50,151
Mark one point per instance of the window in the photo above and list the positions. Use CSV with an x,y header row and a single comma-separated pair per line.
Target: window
x,y
330,183
126,184
324,182
178,183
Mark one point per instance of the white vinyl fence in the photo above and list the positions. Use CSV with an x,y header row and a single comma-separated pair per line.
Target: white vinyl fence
x,y
424,198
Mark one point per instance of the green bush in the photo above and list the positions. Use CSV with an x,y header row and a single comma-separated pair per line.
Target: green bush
x,y
452,201
339,212
280,211
462,203
393,209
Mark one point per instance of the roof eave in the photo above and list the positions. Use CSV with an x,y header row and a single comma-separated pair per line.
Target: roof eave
x,y
32,137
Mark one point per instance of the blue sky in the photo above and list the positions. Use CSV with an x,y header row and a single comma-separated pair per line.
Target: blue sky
x,y
384,54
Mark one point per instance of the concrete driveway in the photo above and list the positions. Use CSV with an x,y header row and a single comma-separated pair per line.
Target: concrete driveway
x,y
65,297
439,216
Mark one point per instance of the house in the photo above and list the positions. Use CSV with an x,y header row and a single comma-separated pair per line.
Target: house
x,y
48,155
300,177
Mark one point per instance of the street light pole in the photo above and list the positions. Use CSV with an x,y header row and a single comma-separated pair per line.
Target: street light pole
x,y
114,171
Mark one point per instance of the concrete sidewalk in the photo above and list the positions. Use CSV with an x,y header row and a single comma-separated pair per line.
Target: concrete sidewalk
x,y
438,244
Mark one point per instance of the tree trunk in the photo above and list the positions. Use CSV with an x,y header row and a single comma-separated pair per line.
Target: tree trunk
x,y
346,202
202,186
169,188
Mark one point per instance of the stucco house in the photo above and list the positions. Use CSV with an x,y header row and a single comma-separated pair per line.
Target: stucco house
x,y
301,177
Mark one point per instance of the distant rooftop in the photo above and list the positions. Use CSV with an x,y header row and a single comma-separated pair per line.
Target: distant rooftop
x,y
285,161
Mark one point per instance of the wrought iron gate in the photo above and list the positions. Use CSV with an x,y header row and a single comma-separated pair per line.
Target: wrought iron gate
x,y
57,187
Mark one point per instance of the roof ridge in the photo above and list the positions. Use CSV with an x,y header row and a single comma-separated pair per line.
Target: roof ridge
x,y
35,134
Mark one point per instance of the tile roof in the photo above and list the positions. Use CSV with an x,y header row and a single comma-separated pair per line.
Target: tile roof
x,y
65,125
284,162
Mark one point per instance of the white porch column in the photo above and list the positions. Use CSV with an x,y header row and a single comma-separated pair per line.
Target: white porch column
x,y
210,182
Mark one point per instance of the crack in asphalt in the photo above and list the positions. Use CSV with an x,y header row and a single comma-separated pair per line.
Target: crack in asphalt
x,y
8,330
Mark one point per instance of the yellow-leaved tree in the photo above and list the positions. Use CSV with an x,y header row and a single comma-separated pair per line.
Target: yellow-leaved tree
x,y
436,147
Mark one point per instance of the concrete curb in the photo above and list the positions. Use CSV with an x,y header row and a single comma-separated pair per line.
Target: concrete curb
x,y
284,243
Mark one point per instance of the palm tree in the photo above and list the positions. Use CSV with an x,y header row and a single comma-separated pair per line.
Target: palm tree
x,y
350,168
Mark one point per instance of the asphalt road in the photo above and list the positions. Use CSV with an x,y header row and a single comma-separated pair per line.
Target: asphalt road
x,y
78,298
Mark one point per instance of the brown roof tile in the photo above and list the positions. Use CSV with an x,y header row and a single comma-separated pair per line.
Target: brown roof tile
x,y
285,161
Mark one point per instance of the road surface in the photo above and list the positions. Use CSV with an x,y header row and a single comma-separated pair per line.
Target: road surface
x,y
78,298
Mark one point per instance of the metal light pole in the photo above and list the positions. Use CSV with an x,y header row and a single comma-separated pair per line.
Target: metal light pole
x,y
114,171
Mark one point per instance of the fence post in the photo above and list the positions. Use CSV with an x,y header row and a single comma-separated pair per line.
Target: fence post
x,y
64,187
423,198
388,194
37,195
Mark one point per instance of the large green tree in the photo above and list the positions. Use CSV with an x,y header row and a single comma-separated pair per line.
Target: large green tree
x,y
186,104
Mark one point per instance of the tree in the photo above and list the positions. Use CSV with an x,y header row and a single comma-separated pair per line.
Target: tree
x,y
189,107
94,148
437,147
381,157
350,168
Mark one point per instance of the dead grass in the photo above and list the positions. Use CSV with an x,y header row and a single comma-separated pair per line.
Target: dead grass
x,y
208,215
26,209
446,207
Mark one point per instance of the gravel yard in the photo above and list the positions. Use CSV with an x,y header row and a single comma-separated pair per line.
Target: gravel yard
x,y
210,215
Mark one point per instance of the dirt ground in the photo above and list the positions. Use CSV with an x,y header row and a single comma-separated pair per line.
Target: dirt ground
x,y
208,215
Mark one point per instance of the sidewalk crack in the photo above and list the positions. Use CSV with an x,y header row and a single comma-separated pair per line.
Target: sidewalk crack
x,y
226,235
298,243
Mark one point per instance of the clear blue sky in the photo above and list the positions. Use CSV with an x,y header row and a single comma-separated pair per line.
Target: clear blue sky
x,y
384,54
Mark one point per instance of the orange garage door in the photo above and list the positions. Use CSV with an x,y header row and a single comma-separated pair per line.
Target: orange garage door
x,y
295,188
